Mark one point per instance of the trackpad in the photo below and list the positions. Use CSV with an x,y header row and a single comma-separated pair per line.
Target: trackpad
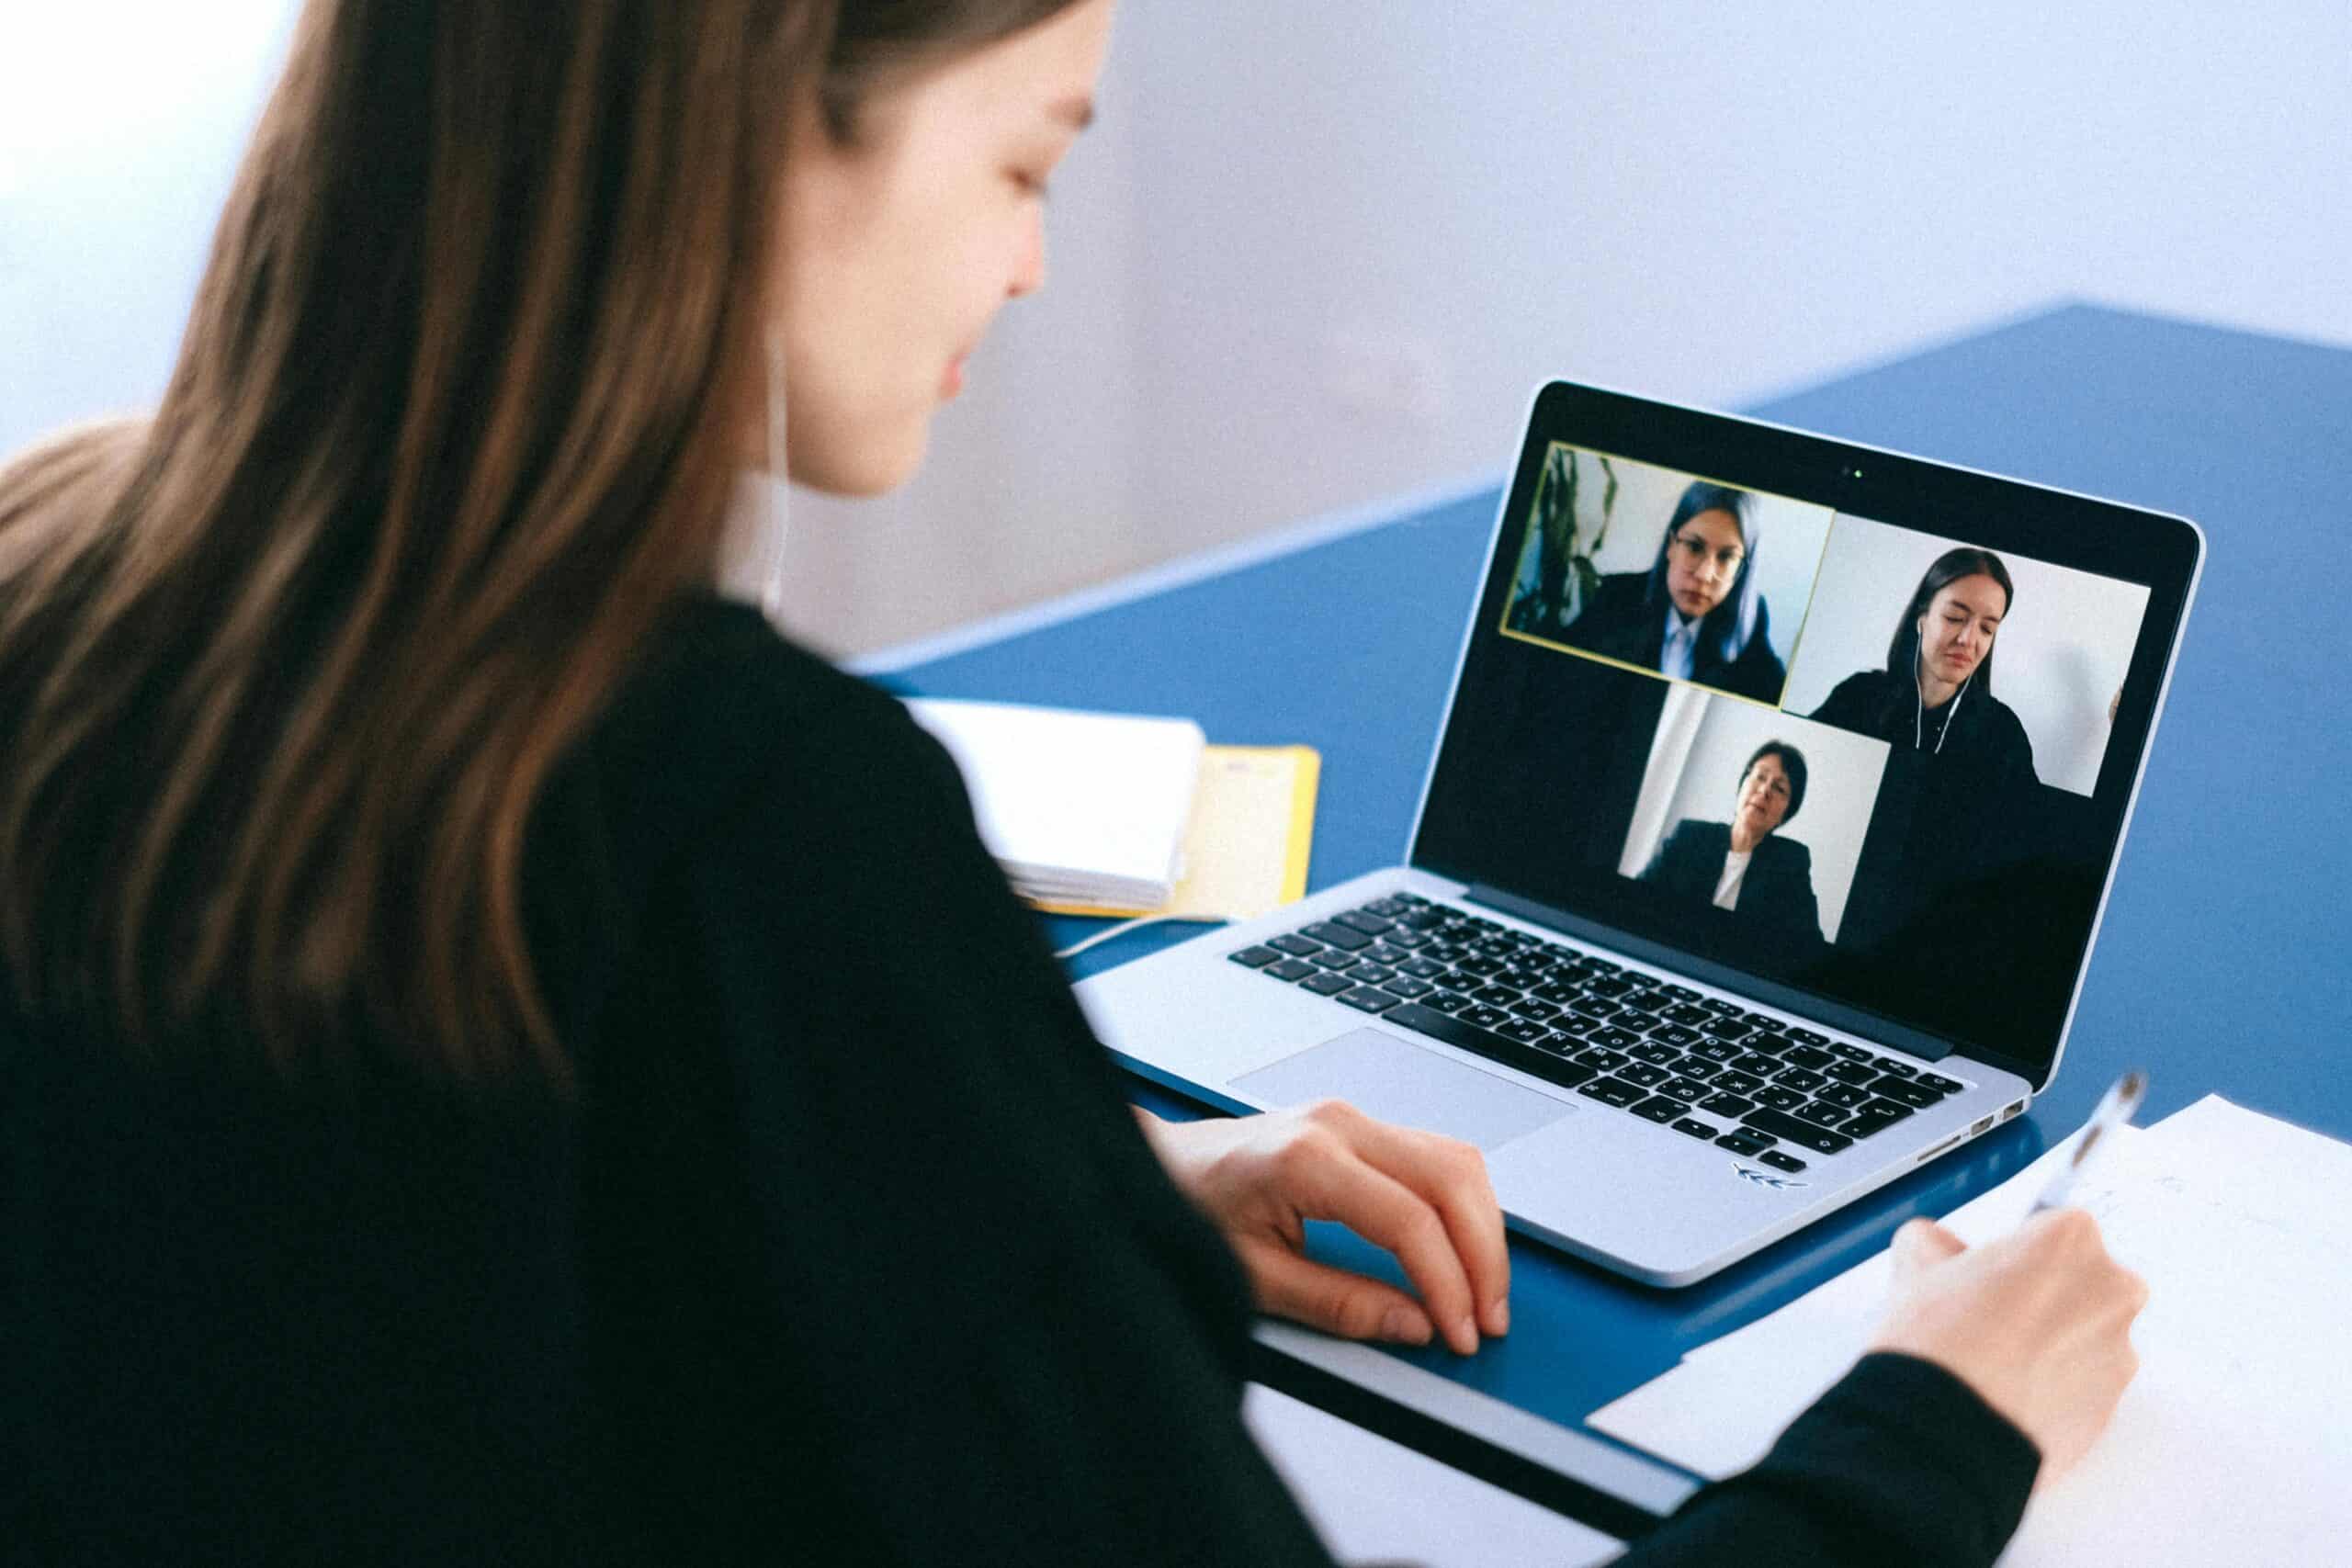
x,y
1385,1077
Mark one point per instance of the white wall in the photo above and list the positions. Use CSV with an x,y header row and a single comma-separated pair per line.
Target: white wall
x,y
1319,253
1842,776
2058,661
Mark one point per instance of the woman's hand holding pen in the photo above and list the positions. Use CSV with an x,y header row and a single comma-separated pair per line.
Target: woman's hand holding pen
x,y
2037,1322
1423,1197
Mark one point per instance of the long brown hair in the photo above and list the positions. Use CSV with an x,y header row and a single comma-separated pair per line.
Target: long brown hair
x,y
454,424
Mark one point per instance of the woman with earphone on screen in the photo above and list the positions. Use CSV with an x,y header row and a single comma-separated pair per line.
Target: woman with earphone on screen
x,y
1936,694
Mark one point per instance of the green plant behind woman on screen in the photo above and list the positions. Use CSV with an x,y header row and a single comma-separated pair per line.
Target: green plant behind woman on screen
x,y
1555,583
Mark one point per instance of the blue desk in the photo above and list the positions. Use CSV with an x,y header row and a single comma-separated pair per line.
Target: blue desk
x,y
2223,964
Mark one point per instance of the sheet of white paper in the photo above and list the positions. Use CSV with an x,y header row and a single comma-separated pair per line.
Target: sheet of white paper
x,y
2232,1443
1077,807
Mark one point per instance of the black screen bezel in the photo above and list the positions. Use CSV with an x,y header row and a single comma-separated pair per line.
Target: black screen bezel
x,y
2160,552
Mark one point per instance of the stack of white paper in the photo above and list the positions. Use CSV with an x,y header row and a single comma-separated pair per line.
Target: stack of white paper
x,y
2234,1441
1076,808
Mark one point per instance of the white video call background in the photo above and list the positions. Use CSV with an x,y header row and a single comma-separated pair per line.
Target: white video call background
x,y
1698,756
2060,656
1790,534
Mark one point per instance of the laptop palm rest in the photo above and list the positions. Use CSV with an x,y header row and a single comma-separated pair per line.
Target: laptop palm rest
x,y
1396,1081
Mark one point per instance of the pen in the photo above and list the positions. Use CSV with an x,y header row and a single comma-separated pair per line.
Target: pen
x,y
2115,1109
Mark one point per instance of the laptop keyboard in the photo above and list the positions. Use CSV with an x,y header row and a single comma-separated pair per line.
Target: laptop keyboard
x,y
1707,1069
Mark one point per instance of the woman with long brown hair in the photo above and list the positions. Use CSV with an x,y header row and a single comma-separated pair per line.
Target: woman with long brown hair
x,y
507,1059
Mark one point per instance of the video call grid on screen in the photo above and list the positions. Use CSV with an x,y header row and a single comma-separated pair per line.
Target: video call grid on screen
x,y
2073,632
1609,796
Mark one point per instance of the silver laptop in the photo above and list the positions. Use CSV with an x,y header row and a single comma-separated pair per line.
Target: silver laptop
x,y
1763,847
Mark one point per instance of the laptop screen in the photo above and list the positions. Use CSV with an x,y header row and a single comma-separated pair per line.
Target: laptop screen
x,y
1856,732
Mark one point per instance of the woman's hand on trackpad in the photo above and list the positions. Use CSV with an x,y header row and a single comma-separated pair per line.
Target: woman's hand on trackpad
x,y
1424,1197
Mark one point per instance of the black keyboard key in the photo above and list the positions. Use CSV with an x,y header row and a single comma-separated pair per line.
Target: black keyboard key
x,y
1696,1067
1290,969
1571,1024
1327,984
1613,1091
1534,1007
1255,957
1494,996
1494,1047
1845,1095
1808,1037
1366,922
1717,1004
1609,986
1369,998
1803,1079
1768,1026
1607,1061
1421,968
1680,993
1851,1072
1332,935
1526,1031
1655,1055
1381,953
1727,1028
1644,1074
1900,1070
1595,962
1940,1085
1780,1161
1731,1080
1660,1111
1616,1039
1717,1050
1804,1134
1640,1020
1445,1001
1411,900
1333,958
1478,1015
1780,1097
1691,1127
1597,1006
1459,981
1689,1091
1822,1115
1727,1105
1758,1063
1806,1056
1293,943
1391,907
1673,1034
1559,991
1744,1142
1906,1091
1424,921
1838,1048
1481,963
1411,940
1688,1015
1876,1117
1371,974
1406,986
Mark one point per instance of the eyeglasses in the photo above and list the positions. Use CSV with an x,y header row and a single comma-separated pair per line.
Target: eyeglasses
x,y
1697,556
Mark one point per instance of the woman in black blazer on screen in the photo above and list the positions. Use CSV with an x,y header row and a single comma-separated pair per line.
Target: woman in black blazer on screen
x,y
1696,614
1744,867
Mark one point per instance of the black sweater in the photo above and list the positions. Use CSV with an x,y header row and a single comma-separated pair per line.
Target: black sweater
x,y
848,1249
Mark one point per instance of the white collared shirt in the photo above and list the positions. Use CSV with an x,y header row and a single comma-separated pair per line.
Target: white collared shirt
x,y
1734,873
1681,642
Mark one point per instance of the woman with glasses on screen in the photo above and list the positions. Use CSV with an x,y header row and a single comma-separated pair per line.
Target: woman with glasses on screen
x,y
508,1059
1696,614
1744,867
